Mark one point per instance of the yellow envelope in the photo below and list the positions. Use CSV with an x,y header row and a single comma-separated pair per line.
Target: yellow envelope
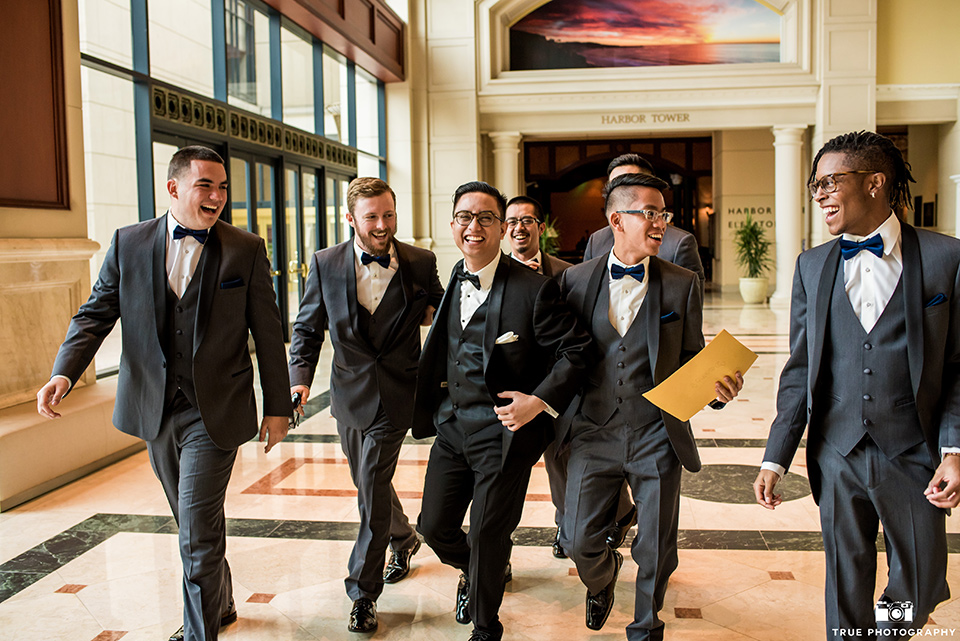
x,y
691,387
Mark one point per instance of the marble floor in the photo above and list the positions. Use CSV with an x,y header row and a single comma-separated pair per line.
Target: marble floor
x,y
97,560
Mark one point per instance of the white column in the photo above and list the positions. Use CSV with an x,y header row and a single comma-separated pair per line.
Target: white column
x,y
956,181
506,162
788,146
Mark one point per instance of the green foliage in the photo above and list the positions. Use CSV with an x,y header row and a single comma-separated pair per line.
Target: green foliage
x,y
550,238
753,248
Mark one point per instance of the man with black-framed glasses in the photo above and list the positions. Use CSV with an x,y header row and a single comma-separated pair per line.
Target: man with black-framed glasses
x,y
503,356
645,315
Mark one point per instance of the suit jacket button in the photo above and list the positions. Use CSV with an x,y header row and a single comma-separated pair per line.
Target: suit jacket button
x,y
868,371
179,378
867,422
163,365
179,332
179,355
620,365
179,309
620,382
619,400
866,397
462,341
458,362
622,348
455,406
867,346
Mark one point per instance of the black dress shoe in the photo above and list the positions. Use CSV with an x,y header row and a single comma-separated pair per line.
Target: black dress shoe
x,y
600,604
363,616
618,533
508,574
483,635
558,550
399,566
226,618
463,600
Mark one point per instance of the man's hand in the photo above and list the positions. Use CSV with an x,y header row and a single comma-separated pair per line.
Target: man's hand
x,y
304,395
50,395
274,429
522,409
943,488
728,388
427,319
763,489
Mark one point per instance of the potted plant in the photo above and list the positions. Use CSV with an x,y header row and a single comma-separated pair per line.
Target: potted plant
x,y
753,255
550,238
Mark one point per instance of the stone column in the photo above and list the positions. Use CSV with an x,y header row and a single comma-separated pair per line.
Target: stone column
x,y
506,161
788,146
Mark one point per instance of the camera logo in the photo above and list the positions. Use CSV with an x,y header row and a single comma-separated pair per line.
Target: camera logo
x,y
894,611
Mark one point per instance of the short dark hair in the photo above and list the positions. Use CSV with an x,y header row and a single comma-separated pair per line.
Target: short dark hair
x,y
526,200
367,187
631,180
483,188
870,151
180,162
631,159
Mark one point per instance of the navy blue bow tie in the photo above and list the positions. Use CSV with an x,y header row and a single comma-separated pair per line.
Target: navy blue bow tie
x,y
383,261
199,234
850,248
619,271
462,275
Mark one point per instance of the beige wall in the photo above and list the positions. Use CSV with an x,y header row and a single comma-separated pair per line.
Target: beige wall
x,y
917,42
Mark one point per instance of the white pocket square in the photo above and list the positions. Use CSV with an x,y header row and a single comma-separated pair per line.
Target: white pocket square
x,y
509,337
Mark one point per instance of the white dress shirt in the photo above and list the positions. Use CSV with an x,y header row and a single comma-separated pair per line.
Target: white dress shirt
x,y
869,280
538,259
472,298
183,256
626,294
372,279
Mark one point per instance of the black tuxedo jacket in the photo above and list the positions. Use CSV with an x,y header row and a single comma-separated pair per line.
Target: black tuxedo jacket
x,y
362,377
236,300
548,361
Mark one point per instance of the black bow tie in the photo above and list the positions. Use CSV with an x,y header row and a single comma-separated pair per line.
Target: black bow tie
x,y
850,248
383,261
619,271
199,234
463,274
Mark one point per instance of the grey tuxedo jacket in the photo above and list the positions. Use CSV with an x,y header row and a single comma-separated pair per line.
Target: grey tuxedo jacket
x,y
930,284
552,266
672,305
549,360
236,300
361,376
678,247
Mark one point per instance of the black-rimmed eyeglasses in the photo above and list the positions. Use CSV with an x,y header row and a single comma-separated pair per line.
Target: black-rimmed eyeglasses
x,y
485,218
829,183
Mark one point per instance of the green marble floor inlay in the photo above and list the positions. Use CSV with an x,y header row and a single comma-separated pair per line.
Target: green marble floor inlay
x,y
725,483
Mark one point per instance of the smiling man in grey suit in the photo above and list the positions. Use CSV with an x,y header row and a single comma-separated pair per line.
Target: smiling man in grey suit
x,y
190,290
874,370
373,292
503,354
645,315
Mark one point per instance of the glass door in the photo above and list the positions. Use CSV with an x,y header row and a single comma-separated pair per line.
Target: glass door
x,y
337,228
302,226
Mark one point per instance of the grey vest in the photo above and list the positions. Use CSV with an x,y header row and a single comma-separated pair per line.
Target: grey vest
x,y
376,327
181,315
468,398
623,374
867,389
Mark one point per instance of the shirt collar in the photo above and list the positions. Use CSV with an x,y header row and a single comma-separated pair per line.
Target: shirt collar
x,y
486,273
613,260
889,231
538,258
173,222
358,250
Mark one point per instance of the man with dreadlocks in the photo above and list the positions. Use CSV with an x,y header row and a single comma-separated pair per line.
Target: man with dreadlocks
x,y
874,370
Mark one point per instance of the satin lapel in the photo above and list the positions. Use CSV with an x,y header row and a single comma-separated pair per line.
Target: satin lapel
x,y
349,271
651,303
912,277
494,304
209,269
406,284
822,310
160,276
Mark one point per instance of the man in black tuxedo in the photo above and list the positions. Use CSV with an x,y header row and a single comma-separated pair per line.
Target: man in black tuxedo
x,y
874,371
373,292
525,226
504,354
645,315
190,289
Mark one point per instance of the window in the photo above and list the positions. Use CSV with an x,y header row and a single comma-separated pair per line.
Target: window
x,y
181,44
368,114
335,111
105,30
248,57
296,56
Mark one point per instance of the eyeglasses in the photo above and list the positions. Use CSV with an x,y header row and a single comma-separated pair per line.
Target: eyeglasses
x,y
649,214
526,221
485,218
829,182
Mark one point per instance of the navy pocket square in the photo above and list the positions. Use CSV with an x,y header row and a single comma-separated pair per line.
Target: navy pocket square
x,y
232,284
669,318
936,300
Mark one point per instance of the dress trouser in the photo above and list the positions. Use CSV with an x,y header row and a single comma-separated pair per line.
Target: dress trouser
x,y
372,454
556,467
195,473
858,492
465,467
601,458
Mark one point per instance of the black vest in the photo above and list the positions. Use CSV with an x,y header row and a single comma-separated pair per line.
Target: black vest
x,y
866,388
376,327
181,319
468,399
623,374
